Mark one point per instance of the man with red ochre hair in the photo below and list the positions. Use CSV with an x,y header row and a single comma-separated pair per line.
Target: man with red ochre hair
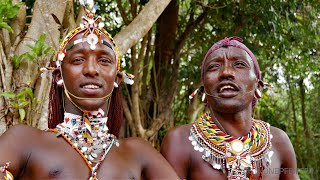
x,y
85,116
226,142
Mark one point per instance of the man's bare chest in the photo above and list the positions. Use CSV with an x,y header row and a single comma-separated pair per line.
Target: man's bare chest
x,y
61,161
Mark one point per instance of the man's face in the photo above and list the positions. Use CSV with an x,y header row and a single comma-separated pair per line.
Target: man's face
x,y
89,73
229,77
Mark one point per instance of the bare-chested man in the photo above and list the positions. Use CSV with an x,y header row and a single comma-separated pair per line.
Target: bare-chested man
x,y
226,142
84,99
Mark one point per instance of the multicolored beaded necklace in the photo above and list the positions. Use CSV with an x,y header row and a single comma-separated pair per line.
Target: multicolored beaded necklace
x,y
237,157
88,136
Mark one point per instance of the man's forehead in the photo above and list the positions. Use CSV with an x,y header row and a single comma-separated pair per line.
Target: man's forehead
x,y
230,51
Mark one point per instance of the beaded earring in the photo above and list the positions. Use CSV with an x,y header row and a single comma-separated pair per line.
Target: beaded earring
x,y
60,82
257,93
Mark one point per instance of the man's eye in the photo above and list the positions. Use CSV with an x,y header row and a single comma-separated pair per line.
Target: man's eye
x,y
240,64
104,60
213,66
77,60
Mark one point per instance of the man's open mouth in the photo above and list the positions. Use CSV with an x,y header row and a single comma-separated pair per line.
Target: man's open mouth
x,y
227,88
91,86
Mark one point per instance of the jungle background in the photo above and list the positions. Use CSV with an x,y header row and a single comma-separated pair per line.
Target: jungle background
x,y
163,43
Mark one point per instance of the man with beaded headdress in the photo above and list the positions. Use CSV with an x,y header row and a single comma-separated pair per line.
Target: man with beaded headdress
x,y
226,142
85,115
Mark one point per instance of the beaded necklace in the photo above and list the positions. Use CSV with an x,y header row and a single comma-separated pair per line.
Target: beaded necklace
x,y
236,157
93,150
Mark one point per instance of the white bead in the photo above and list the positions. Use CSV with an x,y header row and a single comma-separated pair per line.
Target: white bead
x,y
201,149
216,166
61,56
94,155
84,149
101,25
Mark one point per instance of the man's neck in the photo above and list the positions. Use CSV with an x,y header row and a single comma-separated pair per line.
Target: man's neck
x,y
235,124
69,107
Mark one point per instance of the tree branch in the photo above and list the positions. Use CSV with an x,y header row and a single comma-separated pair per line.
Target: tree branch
x,y
128,116
140,26
135,109
191,26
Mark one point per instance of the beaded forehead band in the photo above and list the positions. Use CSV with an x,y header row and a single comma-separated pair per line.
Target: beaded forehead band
x,y
92,33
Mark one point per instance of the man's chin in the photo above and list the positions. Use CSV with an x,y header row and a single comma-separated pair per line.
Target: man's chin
x,y
229,105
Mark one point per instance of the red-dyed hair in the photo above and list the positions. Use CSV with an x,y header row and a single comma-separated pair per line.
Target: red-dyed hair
x,y
56,111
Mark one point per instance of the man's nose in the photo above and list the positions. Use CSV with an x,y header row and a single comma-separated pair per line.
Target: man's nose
x,y
91,67
226,72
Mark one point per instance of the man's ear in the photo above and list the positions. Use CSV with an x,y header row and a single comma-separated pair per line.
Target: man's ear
x,y
118,77
260,85
259,89
57,77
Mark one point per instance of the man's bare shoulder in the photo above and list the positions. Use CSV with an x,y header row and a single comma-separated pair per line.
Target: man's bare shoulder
x,y
180,133
282,145
17,143
20,133
135,147
140,151
133,143
176,142
279,137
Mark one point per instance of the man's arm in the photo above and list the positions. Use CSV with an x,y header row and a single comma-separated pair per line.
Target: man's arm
x,y
153,165
176,149
286,152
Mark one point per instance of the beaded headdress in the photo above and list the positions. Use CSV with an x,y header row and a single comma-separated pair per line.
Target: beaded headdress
x,y
92,30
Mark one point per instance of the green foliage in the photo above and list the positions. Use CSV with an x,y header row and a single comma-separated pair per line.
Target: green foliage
x,y
8,10
39,50
21,100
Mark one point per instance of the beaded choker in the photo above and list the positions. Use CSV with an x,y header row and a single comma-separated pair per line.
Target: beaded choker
x,y
239,158
89,136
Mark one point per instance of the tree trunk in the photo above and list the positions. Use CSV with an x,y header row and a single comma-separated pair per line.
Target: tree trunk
x,y
304,121
295,121
166,64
